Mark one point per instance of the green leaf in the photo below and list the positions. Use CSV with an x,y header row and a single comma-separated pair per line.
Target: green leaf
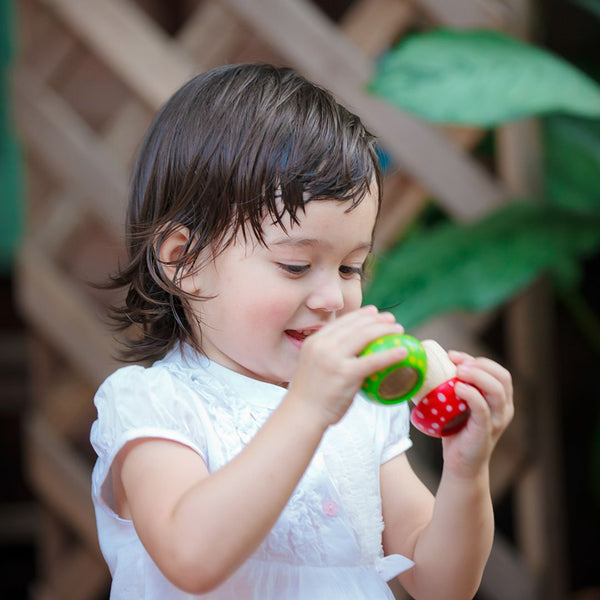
x,y
480,78
478,266
572,163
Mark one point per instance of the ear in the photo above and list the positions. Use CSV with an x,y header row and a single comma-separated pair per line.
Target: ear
x,y
170,251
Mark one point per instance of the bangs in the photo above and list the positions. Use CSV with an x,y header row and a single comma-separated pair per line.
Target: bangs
x,y
304,148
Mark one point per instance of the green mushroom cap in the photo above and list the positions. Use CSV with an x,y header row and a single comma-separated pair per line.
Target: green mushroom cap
x,y
400,381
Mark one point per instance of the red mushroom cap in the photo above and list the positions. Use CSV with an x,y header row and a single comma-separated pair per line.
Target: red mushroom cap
x,y
440,412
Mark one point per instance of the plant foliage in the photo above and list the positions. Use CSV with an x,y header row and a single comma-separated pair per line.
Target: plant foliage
x,y
488,78
481,78
479,266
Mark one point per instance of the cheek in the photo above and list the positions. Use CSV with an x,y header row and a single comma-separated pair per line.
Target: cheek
x,y
267,309
260,302
353,298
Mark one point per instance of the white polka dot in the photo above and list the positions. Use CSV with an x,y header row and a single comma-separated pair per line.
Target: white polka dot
x,y
449,408
419,414
441,397
443,419
435,426
434,411
431,430
451,383
425,401
462,406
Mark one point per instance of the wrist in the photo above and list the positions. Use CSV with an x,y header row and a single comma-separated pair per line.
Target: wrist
x,y
472,478
305,414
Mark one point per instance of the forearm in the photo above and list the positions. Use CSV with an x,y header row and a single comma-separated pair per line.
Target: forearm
x,y
452,550
221,520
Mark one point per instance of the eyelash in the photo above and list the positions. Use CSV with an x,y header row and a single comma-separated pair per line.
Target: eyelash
x,y
301,269
360,271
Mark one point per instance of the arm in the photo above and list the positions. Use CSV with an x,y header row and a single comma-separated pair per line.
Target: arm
x,y
199,527
450,538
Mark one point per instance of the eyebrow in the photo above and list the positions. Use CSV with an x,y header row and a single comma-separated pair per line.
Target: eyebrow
x,y
311,242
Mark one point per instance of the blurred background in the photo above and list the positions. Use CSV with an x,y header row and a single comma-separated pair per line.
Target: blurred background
x,y
488,116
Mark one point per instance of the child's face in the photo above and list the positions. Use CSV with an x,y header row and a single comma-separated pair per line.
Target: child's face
x,y
268,299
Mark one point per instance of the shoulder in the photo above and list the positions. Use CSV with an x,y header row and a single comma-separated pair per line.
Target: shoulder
x,y
156,401
137,386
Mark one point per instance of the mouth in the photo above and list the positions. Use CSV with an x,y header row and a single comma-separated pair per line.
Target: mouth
x,y
297,336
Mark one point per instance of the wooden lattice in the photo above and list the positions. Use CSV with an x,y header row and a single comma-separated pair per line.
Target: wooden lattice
x,y
91,73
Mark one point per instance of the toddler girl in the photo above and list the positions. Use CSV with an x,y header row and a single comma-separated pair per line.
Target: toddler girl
x,y
239,462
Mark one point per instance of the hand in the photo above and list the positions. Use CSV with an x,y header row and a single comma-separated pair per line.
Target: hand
x,y
487,387
330,372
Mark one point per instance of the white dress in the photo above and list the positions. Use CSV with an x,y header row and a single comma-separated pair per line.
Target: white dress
x,y
327,542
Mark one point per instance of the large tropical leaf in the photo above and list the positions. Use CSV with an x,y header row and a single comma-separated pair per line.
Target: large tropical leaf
x,y
480,78
481,265
572,163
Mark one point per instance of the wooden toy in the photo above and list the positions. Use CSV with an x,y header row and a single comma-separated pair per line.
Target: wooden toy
x,y
400,381
438,412
427,376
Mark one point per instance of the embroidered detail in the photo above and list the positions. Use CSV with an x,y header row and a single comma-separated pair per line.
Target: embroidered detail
x,y
330,508
355,472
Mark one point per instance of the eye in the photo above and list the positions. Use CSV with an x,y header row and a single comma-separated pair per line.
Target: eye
x,y
293,269
350,272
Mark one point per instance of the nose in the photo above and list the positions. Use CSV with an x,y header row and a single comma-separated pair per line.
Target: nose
x,y
327,295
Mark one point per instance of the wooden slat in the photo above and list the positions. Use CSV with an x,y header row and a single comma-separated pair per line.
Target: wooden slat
x,y
68,405
403,201
506,576
373,25
541,528
61,478
71,150
49,56
127,39
211,35
125,131
489,14
66,215
314,45
80,575
58,310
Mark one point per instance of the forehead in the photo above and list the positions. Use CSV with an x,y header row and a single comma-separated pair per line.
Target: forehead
x,y
327,223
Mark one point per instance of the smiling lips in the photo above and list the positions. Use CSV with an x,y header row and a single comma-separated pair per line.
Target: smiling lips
x,y
297,336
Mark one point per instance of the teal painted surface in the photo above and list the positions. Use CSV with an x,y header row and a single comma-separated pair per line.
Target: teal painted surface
x,y
11,186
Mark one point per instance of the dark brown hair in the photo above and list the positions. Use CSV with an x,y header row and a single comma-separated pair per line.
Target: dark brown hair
x,y
231,147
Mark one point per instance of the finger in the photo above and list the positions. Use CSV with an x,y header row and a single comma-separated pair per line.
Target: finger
x,y
355,330
490,388
377,361
458,357
490,366
498,372
480,411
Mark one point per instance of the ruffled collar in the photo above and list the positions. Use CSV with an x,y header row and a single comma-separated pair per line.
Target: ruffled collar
x,y
252,391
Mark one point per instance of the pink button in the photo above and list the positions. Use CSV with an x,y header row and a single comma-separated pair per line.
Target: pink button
x,y
330,508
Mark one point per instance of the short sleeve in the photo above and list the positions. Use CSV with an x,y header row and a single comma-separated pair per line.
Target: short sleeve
x,y
398,435
135,402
